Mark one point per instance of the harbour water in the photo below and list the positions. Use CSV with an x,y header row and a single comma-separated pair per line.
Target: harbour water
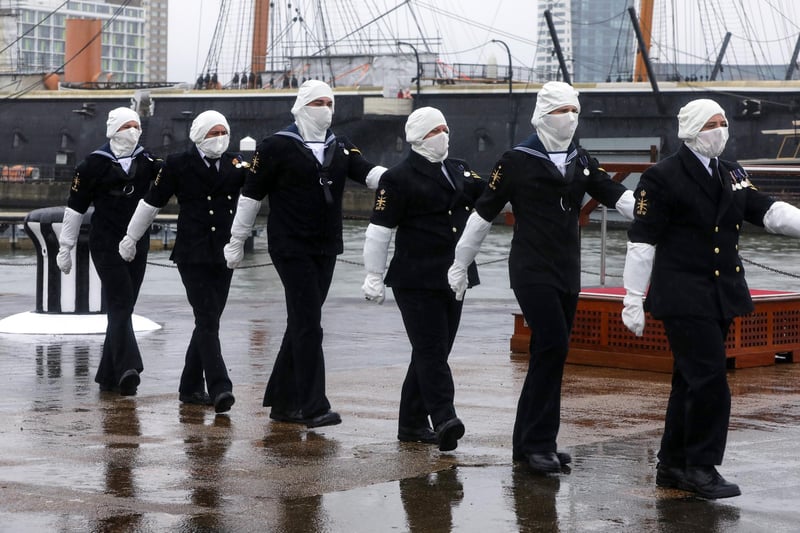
x,y
74,459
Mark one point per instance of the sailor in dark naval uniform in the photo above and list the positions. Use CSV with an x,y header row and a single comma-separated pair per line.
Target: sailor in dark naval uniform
x,y
684,242
206,181
545,179
113,178
302,170
428,198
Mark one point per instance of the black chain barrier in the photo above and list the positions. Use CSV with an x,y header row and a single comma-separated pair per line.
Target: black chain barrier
x,y
770,269
356,263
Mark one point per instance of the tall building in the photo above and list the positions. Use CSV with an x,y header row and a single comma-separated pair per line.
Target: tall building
x,y
603,40
134,36
596,38
546,66
155,29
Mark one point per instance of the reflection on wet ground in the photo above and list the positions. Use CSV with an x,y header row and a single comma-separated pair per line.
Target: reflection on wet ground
x,y
73,459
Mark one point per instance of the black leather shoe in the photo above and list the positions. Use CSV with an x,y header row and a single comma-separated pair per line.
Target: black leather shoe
x,y
223,402
563,458
129,382
669,477
706,482
290,417
546,462
424,435
329,418
448,433
195,398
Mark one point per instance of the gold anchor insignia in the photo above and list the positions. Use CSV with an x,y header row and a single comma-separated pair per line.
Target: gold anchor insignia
x,y
158,176
254,166
497,175
641,204
380,201
76,182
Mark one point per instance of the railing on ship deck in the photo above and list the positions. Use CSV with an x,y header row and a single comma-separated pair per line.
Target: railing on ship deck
x,y
621,171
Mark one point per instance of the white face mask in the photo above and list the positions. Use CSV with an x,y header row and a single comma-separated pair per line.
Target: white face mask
x,y
710,143
313,122
123,142
434,148
556,131
214,147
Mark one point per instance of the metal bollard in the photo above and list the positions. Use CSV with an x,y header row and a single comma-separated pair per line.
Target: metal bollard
x,y
79,291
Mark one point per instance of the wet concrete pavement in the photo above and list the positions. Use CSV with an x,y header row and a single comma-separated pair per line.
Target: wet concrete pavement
x,y
75,459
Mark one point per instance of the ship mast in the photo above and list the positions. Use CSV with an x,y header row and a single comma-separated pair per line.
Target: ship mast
x,y
646,25
258,59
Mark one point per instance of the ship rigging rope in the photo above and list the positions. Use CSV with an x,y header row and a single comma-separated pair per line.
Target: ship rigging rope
x,y
96,36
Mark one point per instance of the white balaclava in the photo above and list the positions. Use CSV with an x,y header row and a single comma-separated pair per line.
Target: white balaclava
x,y
418,125
691,119
555,131
213,147
122,142
313,122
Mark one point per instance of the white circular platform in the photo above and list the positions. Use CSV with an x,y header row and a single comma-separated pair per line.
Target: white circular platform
x,y
66,324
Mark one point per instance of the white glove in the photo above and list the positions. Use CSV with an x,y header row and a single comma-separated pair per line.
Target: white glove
x,y
376,251
457,278
127,248
234,253
373,288
625,204
70,228
374,176
635,279
137,225
783,218
246,212
467,248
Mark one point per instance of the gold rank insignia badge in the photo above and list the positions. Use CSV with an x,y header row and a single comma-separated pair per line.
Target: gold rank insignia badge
x,y
641,203
380,201
76,181
497,175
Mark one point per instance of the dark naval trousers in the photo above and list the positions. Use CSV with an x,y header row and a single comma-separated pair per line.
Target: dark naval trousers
x,y
207,286
431,319
549,314
699,407
121,282
297,381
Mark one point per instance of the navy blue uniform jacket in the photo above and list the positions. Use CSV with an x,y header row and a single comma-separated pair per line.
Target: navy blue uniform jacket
x,y
545,248
694,224
305,208
100,180
207,201
430,214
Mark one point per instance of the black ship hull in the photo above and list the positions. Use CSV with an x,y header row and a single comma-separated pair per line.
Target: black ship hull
x,y
53,131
